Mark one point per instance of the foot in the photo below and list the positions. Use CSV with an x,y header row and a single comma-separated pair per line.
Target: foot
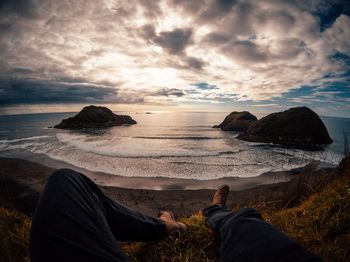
x,y
170,222
220,196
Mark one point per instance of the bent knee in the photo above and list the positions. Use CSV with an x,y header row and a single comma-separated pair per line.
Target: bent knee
x,y
243,214
63,175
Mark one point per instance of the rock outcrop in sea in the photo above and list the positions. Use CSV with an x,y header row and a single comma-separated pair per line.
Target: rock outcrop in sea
x,y
299,126
95,117
237,121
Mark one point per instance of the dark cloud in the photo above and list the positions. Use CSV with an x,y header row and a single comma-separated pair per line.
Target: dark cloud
x,y
169,92
217,9
30,91
225,4
205,86
192,7
151,8
175,41
185,62
245,52
24,8
148,32
328,11
20,71
217,38
242,21
195,63
192,91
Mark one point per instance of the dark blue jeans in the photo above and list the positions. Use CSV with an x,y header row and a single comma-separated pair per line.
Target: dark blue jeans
x,y
246,237
74,221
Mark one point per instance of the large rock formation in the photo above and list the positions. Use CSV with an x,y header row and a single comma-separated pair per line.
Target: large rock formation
x,y
299,126
95,117
237,121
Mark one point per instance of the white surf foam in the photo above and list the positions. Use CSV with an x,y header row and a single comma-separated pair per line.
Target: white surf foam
x,y
23,139
130,147
127,156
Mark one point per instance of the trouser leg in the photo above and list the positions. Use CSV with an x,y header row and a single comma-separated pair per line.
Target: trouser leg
x,y
245,236
75,221
215,215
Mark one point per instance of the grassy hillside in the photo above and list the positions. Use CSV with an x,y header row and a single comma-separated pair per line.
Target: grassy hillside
x,y
320,221
14,235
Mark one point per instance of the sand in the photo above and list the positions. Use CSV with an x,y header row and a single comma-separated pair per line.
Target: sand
x,y
21,182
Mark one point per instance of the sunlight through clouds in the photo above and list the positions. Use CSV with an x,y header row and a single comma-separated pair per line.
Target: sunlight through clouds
x,y
257,50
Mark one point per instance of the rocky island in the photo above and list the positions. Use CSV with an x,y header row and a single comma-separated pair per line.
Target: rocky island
x,y
299,126
237,121
95,117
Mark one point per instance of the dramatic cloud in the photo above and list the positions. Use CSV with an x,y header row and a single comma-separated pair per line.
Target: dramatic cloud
x,y
205,86
246,52
28,91
175,41
169,92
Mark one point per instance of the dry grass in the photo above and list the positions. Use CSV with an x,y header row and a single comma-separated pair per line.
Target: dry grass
x,y
14,235
198,244
322,222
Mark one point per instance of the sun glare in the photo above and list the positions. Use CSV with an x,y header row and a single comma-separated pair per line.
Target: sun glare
x,y
172,20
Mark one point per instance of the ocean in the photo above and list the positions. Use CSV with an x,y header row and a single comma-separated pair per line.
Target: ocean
x,y
162,144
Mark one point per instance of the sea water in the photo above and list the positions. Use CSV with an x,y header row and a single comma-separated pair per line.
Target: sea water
x,y
161,144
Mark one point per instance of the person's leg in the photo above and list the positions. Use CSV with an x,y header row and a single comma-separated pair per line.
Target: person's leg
x,y
75,221
215,214
245,236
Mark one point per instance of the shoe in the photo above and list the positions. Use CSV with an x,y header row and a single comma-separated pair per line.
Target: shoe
x,y
220,196
170,222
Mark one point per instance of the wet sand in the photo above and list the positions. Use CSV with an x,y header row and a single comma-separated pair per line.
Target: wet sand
x,y
21,182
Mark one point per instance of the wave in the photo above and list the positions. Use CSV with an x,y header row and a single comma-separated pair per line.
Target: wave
x,y
245,162
156,168
23,139
222,153
161,155
179,155
131,147
178,137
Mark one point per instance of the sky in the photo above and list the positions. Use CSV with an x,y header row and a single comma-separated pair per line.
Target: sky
x,y
182,55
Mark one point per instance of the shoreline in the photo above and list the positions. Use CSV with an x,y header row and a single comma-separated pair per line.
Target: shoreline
x,y
165,183
21,182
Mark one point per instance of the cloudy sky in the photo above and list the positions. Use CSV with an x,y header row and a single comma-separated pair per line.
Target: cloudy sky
x,y
202,55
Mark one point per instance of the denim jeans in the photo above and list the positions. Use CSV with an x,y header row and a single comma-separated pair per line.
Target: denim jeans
x,y
74,221
246,237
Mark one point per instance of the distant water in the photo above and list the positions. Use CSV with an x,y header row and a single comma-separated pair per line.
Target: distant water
x,y
162,144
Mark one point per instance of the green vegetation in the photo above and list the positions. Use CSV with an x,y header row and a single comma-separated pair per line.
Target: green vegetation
x,y
320,221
